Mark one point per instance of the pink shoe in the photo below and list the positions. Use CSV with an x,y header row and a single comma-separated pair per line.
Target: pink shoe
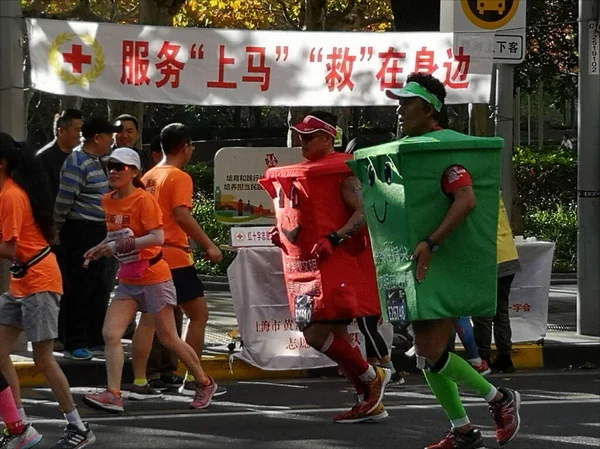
x,y
204,394
104,400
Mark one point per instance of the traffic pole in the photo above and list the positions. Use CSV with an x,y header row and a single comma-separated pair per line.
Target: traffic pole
x,y
588,170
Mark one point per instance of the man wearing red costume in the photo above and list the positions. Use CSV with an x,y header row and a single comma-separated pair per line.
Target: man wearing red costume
x,y
329,270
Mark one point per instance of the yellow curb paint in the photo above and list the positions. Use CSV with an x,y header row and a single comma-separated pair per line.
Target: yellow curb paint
x,y
523,355
29,375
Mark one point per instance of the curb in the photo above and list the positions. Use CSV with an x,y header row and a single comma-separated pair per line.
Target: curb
x,y
92,373
533,356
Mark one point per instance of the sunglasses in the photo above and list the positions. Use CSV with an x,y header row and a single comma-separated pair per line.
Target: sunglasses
x,y
307,137
117,166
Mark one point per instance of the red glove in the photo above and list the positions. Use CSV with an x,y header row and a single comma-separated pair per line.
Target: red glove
x,y
275,237
324,247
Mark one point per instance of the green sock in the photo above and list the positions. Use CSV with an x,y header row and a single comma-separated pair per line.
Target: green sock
x,y
461,372
140,382
189,378
446,392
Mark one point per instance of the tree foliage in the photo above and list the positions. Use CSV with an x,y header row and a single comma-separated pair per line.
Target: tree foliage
x,y
552,56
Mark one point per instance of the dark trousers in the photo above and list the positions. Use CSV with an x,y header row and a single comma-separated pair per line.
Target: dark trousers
x,y
86,290
374,342
482,326
162,361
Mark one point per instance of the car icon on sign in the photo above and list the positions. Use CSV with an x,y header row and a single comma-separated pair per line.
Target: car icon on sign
x,y
498,6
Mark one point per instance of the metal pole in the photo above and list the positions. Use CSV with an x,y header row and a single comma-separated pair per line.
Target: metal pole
x,y
504,127
12,111
588,172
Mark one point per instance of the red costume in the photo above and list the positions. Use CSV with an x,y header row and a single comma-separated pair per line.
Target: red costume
x,y
309,206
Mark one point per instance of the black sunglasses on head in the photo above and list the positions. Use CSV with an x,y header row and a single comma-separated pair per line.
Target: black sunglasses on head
x,y
117,166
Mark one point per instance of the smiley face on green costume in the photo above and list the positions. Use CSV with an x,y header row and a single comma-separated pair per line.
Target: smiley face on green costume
x,y
404,204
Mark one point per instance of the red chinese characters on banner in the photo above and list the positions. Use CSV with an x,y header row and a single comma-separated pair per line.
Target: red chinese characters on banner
x,y
339,69
261,73
134,63
296,343
425,61
391,70
521,307
223,61
169,66
457,69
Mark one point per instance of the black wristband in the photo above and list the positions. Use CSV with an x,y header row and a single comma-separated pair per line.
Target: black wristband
x,y
335,238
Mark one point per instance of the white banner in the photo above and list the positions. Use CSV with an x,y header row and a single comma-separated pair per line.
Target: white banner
x,y
271,339
529,294
247,68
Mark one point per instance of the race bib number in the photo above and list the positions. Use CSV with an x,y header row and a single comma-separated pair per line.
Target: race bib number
x,y
396,306
303,308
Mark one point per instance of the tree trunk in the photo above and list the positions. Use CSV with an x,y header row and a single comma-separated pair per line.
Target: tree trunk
x,y
256,113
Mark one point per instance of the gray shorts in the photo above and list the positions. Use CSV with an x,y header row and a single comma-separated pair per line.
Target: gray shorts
x,y
36,314
150,298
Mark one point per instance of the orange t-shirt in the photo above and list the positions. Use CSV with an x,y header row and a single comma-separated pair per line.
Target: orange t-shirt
x,y
17,223
172,187
137,213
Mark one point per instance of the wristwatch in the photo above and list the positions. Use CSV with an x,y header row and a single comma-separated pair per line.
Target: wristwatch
x,y
432,246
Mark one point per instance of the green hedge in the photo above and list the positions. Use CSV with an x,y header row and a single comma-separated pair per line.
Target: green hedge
x,y
547,187
203,212
547,184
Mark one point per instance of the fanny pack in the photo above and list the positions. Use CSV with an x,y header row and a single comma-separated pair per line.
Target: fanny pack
x,y
136,270
19,269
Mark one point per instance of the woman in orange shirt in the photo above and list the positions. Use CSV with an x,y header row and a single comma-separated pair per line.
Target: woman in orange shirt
x,y
31,304
135,236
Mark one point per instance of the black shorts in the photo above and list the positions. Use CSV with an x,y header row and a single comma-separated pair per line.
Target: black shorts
x,y
187,284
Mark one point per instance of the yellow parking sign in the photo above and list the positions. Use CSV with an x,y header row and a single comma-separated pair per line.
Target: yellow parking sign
x,y
490,14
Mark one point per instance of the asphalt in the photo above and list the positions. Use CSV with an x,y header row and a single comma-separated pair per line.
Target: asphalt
x,y
560,410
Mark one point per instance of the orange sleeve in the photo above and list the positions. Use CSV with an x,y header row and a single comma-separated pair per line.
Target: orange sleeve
x,y
180,190
150,214
12,210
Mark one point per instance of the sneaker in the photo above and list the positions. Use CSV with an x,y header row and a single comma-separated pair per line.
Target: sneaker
x,y
396,379
355,415
204,395
158,384
188,388
143,392
506,415
483,368
27,439
105,400
376,389
456,440
503,364
378,414
96,351
73,438
81,354
172,380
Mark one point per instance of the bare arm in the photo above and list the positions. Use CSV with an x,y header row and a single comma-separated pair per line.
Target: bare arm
x,y
351,195
185,220
464,202
8,249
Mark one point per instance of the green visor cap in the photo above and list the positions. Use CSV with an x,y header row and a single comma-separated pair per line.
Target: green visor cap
x,y
414,89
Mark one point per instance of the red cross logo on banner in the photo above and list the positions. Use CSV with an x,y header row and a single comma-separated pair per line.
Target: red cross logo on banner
x,y
76,58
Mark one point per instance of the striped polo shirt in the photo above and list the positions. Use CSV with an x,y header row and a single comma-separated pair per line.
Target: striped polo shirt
x,y
83,182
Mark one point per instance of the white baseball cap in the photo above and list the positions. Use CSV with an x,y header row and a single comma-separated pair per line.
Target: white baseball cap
x,y
126,156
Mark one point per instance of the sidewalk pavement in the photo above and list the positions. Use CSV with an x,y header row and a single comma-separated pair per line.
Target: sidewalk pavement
x,y
561,349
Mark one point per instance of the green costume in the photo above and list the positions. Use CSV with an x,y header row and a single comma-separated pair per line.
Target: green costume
x,y
404,204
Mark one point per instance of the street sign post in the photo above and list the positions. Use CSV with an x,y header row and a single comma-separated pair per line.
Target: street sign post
x,y
505,18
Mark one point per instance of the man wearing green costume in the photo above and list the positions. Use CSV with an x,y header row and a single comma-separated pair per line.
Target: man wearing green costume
x,y
431,201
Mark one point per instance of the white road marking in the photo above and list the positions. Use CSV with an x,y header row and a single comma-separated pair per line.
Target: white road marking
x,y
162,415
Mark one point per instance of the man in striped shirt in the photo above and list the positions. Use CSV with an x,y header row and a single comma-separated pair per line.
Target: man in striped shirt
x,y
80,224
